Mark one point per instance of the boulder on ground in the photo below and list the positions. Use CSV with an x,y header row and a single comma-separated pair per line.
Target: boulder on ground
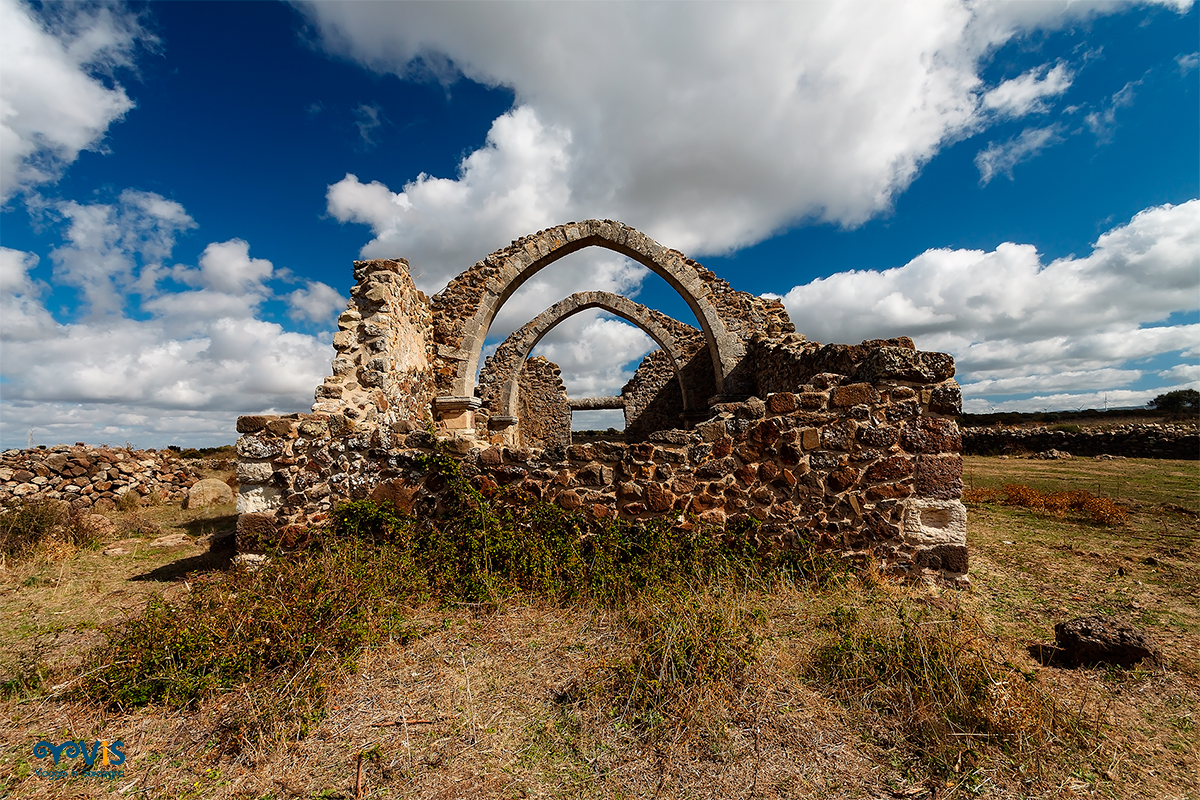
x,y
1100,640
208,492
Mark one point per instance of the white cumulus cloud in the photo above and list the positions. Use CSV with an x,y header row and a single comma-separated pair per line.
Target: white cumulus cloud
x,y
160,366
1027,93
1017,325
710,126
55,102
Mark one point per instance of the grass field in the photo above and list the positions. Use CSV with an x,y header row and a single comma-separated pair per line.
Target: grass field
x,y
853,686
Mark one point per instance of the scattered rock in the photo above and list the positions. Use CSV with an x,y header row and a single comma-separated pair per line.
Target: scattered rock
x,y
219,541
1100,640
115,550
172,540
250,561
1051,455
98,526
208,492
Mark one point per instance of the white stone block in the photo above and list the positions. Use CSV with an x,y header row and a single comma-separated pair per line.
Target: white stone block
x,y
255,498
933,522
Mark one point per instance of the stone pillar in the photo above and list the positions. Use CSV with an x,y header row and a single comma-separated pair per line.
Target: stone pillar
x,y
456,415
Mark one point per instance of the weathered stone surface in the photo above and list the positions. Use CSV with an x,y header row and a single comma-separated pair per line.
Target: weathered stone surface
x,y
782,403
254,499
254,471
934,522
946,398
172,540
939,477
890,469
1101,640
854,394
931,435
208,492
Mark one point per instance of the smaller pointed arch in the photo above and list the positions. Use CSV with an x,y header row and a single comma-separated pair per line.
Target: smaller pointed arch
x,y
498,381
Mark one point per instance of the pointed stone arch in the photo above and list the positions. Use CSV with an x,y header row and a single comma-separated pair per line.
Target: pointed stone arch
x,y
464,310
498,381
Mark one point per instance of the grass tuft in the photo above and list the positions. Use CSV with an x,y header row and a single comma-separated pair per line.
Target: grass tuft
x,y
27,526
936,675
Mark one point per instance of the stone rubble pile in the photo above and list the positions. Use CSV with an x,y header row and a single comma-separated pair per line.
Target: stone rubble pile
x,y
93,477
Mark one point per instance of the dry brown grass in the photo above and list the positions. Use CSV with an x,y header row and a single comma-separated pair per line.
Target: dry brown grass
x,y
531,700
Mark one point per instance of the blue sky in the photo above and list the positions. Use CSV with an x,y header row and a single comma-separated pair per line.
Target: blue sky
x,y
186,184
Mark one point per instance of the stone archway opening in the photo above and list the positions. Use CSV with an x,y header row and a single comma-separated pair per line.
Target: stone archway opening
x,y
681,362
464,311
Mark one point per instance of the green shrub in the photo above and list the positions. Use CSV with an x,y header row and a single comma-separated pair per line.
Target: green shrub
x,y
274,634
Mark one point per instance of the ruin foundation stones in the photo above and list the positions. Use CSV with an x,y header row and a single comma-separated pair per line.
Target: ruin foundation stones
x,y
854,448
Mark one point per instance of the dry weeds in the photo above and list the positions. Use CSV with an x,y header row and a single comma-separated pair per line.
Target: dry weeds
x,y
519,702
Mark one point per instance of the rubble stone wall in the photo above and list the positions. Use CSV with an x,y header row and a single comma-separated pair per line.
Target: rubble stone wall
x,y
868,469
93,477
854,448
382,368
1131,441
543,409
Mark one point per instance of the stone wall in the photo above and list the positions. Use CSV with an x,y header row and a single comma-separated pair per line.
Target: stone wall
x,y
1131,441
855,447
381,372
868,469
93,477
542,406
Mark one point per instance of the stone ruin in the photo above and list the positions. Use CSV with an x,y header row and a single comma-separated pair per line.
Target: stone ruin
x,y
852,447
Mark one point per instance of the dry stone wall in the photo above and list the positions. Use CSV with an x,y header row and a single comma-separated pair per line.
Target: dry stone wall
x,y
1130,441
93,477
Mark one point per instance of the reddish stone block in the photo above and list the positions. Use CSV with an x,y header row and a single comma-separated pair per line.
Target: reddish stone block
x,y
683,484
888,491
854,394
812,401
658,498
841,479
890,469
782,403
939,477
930,435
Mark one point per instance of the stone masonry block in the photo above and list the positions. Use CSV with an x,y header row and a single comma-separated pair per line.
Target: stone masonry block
x,y
939,477
935,522
854,394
